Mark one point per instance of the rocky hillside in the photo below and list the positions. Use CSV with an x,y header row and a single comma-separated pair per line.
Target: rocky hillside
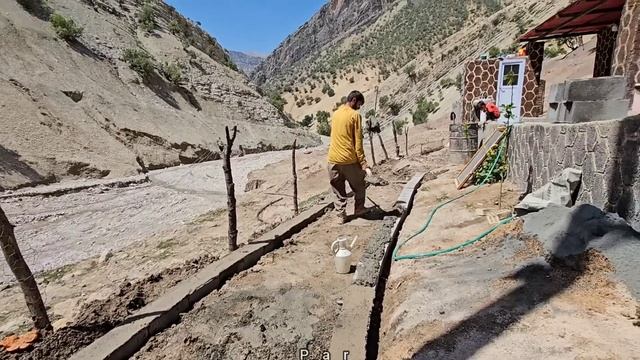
x,y
336,20
107,88
411,50
246,62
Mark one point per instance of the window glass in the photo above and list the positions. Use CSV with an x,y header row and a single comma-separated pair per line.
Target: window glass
x,y
511,75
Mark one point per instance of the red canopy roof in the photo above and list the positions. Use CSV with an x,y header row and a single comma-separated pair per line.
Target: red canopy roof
x,y
580,18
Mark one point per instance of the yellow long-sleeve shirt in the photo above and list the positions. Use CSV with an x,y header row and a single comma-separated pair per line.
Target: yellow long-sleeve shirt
x,y
346,138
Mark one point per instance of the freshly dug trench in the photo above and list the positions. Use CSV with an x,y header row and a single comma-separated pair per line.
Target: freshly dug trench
x,y
288,302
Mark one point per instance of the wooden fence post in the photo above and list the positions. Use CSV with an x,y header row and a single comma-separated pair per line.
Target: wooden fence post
x,y
384,149
406,141
395,138
373,155
23,274
231,192
296,211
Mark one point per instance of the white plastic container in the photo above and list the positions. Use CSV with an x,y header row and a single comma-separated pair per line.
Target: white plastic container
x,y
342,251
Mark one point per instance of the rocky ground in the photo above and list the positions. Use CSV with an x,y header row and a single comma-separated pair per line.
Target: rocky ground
x,y
512,295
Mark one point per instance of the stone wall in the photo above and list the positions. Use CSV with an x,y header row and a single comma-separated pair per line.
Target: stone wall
x,y
607,152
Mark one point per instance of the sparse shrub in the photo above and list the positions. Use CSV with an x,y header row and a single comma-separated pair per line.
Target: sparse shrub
x,y
317,100
325,88
447,83
331,93
552,51
394,108
371,113
459,82
65,28
425,107
147,18
410,70
399,126
173,72
276,100
352,80
139,61
322,121
494,52
176,27
307,120
384,101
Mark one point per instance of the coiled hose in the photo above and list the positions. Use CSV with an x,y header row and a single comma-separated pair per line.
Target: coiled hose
x,y
472,241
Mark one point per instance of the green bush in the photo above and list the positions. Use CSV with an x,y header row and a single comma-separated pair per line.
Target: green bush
x,y
331,93
494,52
322,121
447,83
384,101
371,113
276,100
552,51
176,27
139,61
425,107
65,28
399,126
459,82
410,70
307,120
147,18
394,108
173,72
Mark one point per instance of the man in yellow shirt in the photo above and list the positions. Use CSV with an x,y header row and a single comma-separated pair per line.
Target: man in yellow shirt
x,y
346,156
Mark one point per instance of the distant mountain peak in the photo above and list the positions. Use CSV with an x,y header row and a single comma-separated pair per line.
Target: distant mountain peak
x,y
246,61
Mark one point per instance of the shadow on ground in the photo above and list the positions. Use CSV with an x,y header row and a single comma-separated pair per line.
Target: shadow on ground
x,y
540,281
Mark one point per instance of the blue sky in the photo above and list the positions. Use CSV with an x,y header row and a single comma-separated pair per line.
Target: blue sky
x,y
256,26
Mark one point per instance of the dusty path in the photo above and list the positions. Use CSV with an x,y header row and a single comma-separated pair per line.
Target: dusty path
x,y
60,230
289,301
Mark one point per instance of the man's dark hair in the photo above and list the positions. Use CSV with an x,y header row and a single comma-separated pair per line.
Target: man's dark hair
x,y
355,95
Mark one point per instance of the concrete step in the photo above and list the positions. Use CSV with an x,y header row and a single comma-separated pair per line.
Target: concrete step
x,y
596,89
585,111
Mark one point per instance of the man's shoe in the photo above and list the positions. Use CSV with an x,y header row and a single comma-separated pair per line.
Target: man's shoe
x,y
361,212
338,218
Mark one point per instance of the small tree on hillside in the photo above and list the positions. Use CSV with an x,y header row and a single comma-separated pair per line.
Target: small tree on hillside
x,y
66,28
371,113
394,108
307,120
147,18
410,70
322,121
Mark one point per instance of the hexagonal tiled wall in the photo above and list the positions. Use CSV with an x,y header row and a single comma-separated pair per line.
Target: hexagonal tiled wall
x,y
481,79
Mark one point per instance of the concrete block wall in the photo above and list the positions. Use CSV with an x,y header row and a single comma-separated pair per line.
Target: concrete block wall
x,y
607,152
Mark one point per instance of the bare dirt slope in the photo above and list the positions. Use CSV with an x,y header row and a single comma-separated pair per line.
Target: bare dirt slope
x,y
76,109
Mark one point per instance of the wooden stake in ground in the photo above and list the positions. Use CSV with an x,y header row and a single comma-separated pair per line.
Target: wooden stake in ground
x,y
386,156
395,138
23,274
406,141
295,179
373,155
231,191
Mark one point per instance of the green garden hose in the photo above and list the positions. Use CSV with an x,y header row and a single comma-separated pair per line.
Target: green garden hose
x,y
425,226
